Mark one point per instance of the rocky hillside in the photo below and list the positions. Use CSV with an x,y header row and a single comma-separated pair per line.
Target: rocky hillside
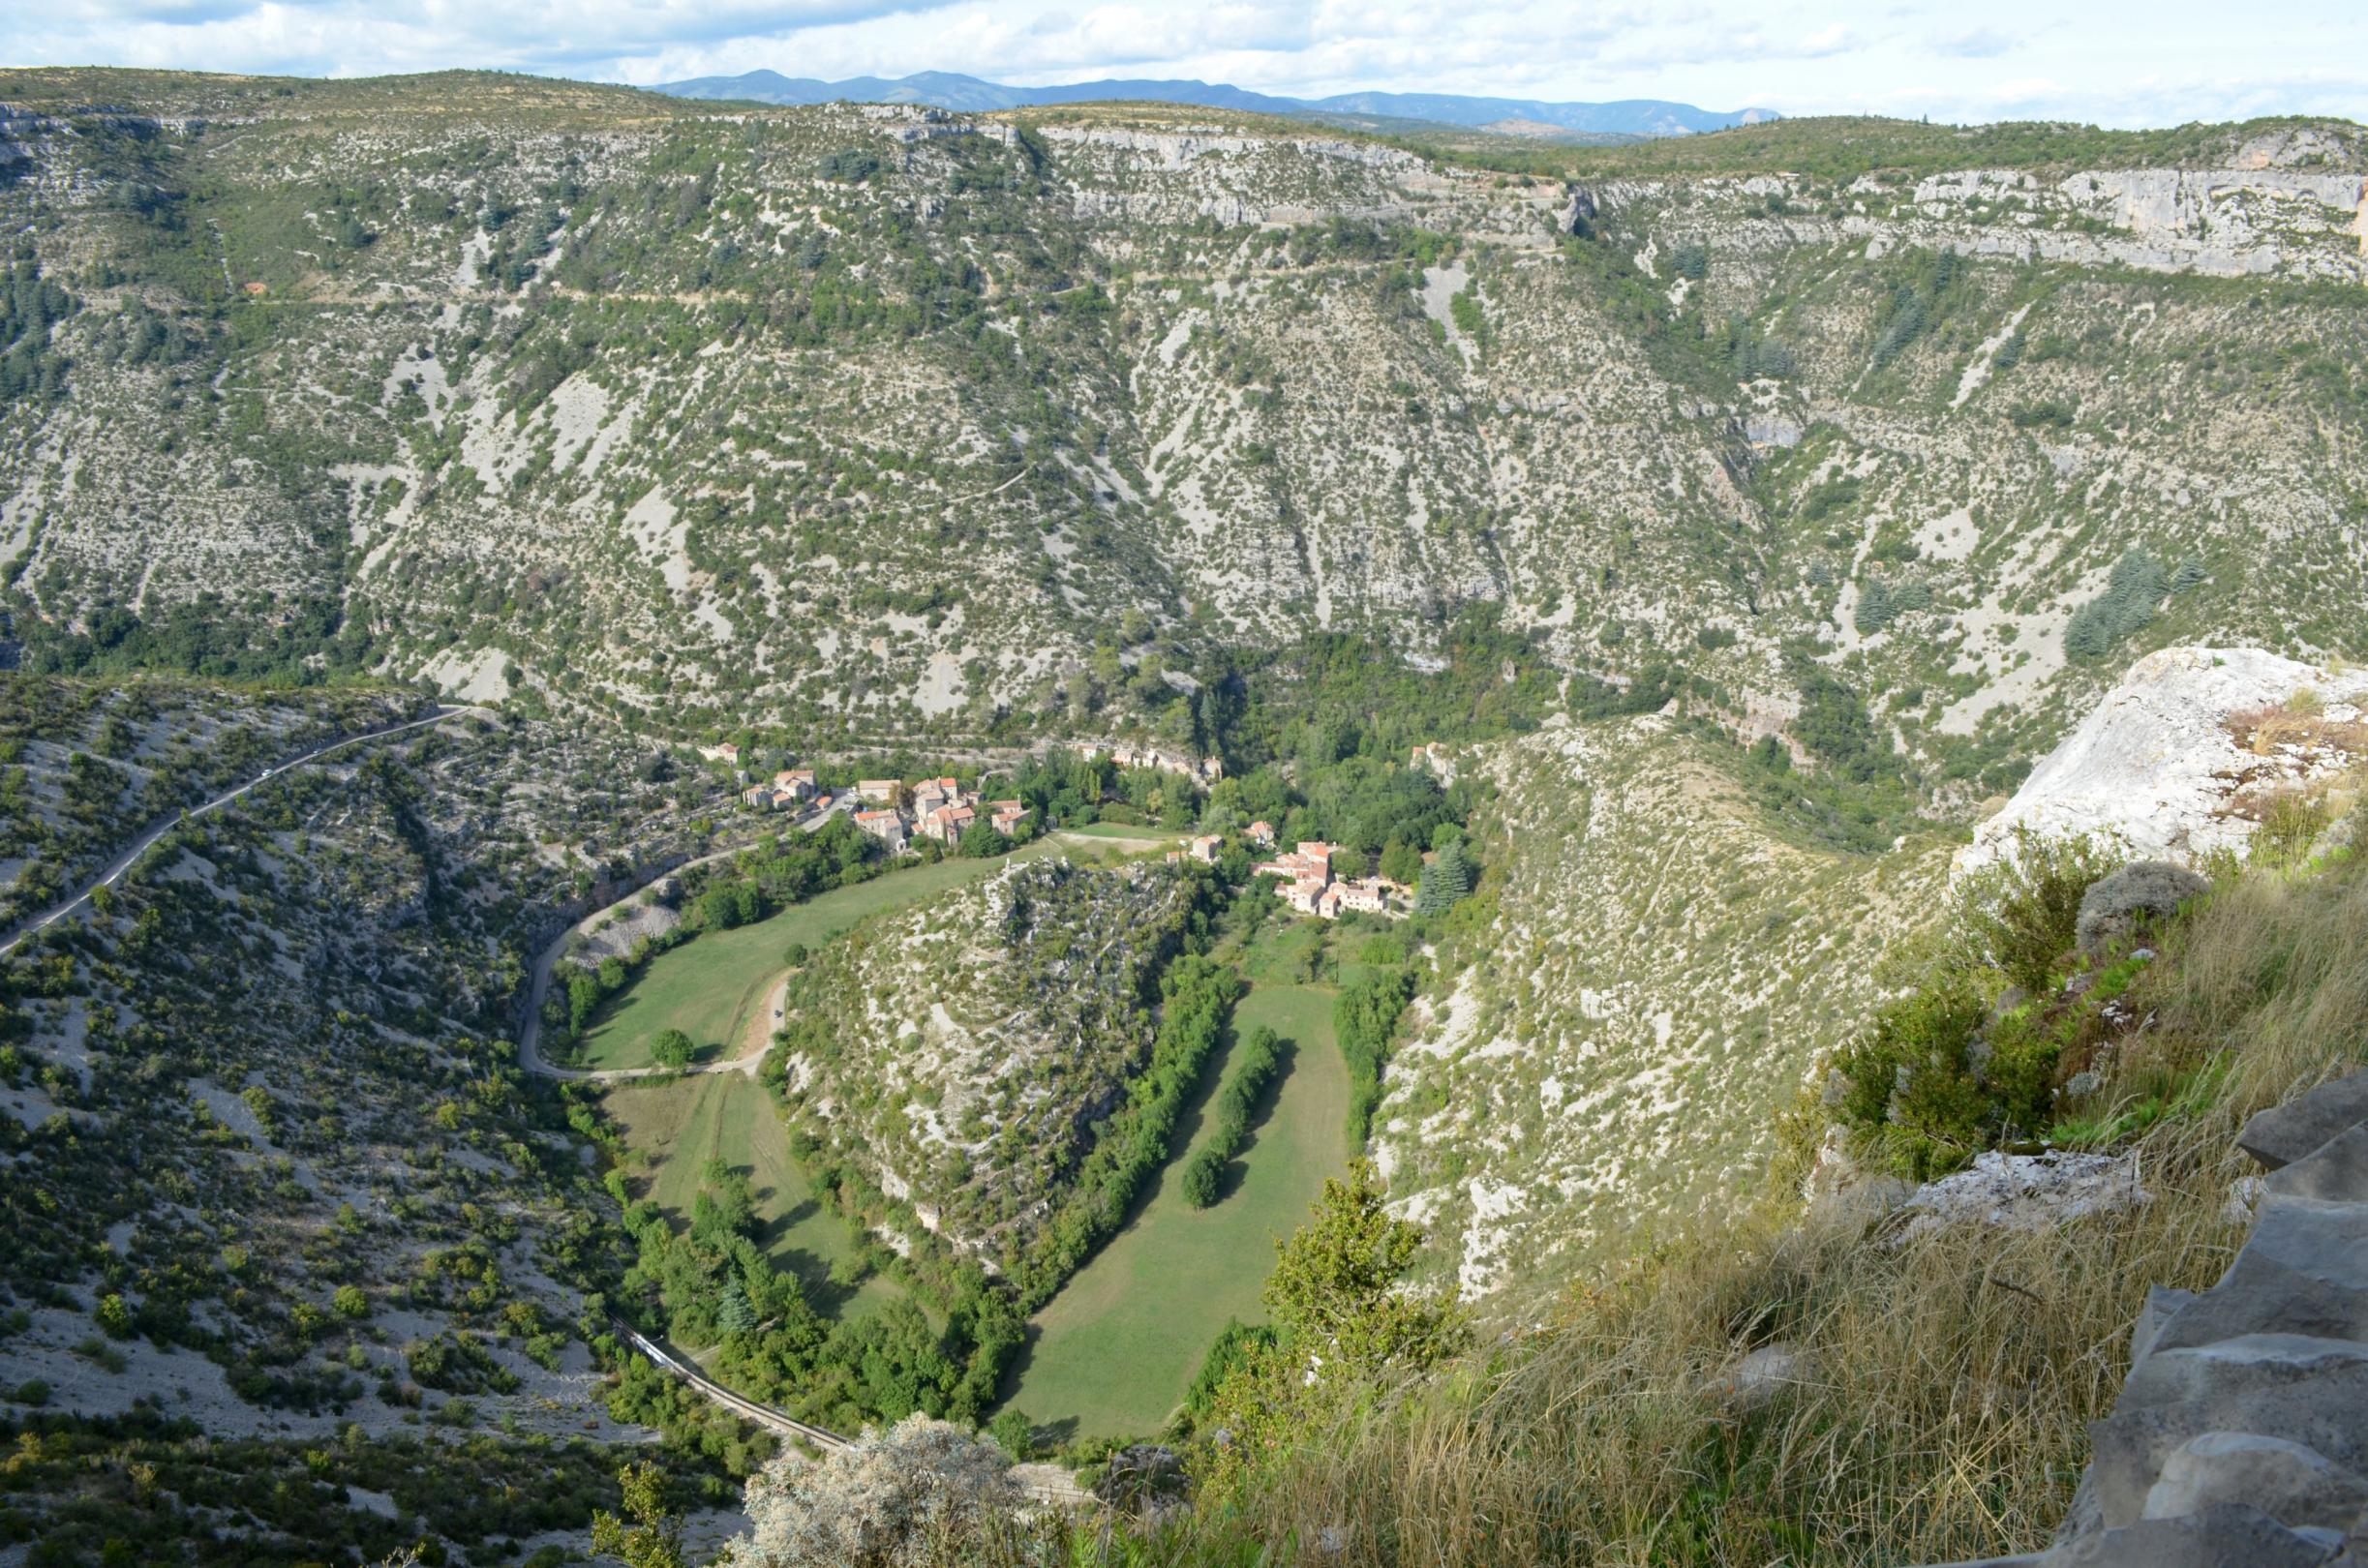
x,y
1659,974
963,1057
275,1167
889,417
1672,945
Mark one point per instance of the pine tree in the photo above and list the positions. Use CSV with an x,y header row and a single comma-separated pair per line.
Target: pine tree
x,y
733,1313
1444,881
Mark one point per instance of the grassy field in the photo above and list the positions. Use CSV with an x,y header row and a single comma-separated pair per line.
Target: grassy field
x,y
1124,831
712,986
1112,1354
683,1124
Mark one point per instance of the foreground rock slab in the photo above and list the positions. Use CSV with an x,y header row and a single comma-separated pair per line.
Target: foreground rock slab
x,y
2241,1437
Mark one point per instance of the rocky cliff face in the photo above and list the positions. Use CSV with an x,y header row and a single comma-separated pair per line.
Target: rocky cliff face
x,y
2189,753
885,417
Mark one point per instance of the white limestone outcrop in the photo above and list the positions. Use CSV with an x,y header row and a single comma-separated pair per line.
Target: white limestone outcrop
x,y
2171,762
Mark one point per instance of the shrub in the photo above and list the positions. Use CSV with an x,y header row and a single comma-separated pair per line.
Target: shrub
x,y
2128,603
672,1048
1203,1174
888,1500
1906,1085
850,165
2021,915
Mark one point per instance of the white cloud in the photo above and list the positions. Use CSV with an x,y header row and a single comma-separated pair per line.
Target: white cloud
x,y
2110,61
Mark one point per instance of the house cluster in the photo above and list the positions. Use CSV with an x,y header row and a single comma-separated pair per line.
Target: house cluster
x,y
787,791
1310,887
1207,769
938,809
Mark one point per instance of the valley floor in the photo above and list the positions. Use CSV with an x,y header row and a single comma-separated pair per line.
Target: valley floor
x,y
681,1125
1113,1353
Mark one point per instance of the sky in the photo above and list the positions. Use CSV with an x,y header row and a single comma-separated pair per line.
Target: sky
x,y
2114,63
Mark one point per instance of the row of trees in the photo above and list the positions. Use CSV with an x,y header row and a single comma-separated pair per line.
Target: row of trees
x,y
1196,998
1364,1017
1262,1063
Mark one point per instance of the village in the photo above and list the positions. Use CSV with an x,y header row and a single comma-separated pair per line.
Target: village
x,y
939,810
900,815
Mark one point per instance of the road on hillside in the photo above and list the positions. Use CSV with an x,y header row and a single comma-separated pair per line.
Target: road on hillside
x,y
1046,1483
531,1033
164,825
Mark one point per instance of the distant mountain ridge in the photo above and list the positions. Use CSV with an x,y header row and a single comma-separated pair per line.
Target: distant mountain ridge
x,y
950,90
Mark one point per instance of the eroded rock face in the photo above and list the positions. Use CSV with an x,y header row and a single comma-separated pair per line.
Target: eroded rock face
x,y
2241,1437
2175,757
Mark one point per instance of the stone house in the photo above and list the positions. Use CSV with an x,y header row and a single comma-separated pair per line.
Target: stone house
x,y
947,822
888,827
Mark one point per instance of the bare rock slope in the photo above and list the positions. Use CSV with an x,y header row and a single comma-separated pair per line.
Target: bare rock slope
x,y
2188,752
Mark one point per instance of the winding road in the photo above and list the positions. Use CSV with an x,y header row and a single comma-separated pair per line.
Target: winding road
x,y
157,828
530,1032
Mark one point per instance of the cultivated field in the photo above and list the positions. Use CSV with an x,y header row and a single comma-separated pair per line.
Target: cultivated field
x,y
712,986
682,1123
1114,1351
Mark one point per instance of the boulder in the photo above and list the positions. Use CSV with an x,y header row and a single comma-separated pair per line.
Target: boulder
x,y
2139,896
1764,1377
2240,1439
2304,1271
2157,766
2162,1304
2226,1535
2313,1392
2285,1133
2334,1172
2296,1485
2025,1192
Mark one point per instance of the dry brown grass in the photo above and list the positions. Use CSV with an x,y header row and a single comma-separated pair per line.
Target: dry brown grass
x,y
1950,1382
2299,724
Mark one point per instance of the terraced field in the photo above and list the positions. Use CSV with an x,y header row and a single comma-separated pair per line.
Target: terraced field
x,y
1114,1351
